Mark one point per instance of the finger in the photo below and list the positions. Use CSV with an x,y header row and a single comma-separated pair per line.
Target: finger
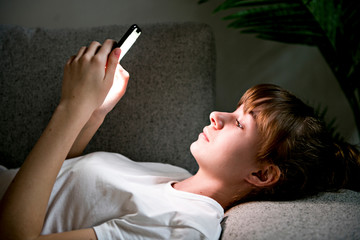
x,y
80,53
106,48
71,59
93,48
112,62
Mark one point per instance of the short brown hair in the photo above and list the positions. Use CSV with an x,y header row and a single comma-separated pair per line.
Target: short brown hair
x,y
297,141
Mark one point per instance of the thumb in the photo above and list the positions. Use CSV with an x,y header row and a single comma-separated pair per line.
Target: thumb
x,y
112,63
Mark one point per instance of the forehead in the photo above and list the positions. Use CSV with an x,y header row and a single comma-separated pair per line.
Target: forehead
x,y
247,111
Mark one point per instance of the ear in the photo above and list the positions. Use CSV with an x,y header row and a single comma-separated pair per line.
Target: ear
x,y
268,175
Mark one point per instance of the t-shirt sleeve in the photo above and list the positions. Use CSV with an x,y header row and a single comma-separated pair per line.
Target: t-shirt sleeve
x,y
122,229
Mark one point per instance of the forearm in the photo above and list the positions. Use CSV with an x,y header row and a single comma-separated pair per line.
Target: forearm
x,y
24,205
85,135
115,94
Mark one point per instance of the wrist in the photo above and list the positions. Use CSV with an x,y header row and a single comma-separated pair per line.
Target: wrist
x,y
99,115
96,119
75,110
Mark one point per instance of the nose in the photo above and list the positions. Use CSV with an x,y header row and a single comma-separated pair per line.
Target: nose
x,y
216,120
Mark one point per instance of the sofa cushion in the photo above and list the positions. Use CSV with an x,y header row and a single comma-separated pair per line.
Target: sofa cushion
x,y
168,101
326,216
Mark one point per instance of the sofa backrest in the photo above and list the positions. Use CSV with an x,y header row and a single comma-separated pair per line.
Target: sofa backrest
x,y
169,98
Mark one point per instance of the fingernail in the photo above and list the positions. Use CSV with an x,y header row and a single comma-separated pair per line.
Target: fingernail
x,y
117,52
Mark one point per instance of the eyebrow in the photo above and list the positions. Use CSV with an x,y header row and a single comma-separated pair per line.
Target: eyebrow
x,y
253,114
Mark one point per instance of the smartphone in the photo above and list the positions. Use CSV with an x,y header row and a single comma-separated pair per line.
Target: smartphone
x,y
128,39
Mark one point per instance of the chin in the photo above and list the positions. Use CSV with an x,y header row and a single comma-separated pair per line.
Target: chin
x,y
196,151
192,148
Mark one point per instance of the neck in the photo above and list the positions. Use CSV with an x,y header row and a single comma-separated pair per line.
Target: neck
x,y
225,194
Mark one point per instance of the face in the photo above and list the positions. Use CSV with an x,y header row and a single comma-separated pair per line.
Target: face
x,y
227,148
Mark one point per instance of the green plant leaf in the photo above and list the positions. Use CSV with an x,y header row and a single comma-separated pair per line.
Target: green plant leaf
x,y
288,23
286,35
340,21
250,3
285,9
257,19
328,15
280,14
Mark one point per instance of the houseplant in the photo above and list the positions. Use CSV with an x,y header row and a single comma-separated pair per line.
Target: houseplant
x,y
331,25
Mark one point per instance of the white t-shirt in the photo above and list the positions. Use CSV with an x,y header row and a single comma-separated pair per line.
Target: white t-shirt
x,y
123,199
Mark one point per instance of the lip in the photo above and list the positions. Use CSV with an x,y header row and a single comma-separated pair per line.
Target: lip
x,y
204,134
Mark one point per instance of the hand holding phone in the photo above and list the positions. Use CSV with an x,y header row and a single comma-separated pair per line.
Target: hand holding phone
x,y
128,39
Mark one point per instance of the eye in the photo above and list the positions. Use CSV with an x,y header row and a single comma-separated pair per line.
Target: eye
x,y
238,124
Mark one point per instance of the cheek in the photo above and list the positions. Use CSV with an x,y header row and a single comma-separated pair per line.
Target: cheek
x,y
228,162
226,151
219,152
240,152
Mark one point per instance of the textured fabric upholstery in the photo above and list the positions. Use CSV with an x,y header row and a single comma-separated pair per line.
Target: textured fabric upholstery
x,y
326,216
168,101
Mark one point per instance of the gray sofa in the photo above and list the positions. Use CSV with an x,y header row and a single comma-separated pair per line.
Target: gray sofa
x,y
169,98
